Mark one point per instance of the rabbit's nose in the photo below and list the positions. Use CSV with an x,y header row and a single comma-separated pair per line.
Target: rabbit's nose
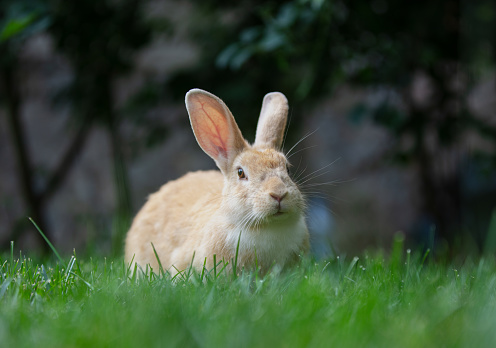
x,y
278,197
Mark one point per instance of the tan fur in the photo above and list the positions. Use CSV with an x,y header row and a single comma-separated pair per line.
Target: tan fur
x,y
208,212
272,120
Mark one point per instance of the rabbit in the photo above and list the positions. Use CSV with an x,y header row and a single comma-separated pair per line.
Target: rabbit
x,y
251,201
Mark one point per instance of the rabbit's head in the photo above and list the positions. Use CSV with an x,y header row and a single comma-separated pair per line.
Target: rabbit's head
x,y
257,187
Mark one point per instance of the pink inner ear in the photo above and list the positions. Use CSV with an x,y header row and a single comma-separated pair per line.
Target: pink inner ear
x,y
211,128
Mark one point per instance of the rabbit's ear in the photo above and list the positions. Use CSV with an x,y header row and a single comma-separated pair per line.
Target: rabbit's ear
x,y
272,121
214,127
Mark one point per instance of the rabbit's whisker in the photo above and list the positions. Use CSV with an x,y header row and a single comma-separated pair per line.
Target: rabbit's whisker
x,y
259,219
295,179
309,176
318,195
299,141
327,208
299,163
245,223
328,197
305,148
328,183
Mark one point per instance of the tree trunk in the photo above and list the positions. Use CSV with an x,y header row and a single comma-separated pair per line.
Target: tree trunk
x,y
31,199
122,189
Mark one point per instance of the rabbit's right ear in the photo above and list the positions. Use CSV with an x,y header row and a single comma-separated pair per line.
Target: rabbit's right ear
x,y
214,127
272,121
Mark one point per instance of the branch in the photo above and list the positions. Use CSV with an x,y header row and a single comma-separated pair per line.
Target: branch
x,y
13,101
67,161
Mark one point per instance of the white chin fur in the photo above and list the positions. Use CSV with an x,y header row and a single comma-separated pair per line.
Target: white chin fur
x,y
274,243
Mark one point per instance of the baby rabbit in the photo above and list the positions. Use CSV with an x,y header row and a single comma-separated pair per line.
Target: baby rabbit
x,y
251,200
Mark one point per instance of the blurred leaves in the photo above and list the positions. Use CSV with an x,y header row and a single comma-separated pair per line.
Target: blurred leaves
x,y
22,19
282,37
418,60
15,26
429,54
18,21
99,38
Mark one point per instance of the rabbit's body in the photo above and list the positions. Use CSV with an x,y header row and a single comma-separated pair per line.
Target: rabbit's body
x,y
251,200
174,219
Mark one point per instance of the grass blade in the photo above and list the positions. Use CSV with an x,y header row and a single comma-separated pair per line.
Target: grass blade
x,y
48,242
5,286
161,269
351,266
235,261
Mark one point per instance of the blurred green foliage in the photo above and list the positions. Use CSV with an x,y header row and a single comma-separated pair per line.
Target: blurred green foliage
x,y
99,39
21,19
303,48
18,21
307,48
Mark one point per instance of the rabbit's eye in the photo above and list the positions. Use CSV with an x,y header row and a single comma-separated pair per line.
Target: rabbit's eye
x,y
241,173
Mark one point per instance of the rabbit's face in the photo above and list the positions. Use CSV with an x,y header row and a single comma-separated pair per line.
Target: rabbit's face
x,y
259,189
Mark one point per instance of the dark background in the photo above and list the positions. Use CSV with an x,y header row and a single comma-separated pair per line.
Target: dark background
x,y
399,98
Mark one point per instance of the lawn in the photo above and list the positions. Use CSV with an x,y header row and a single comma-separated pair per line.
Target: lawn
x,y
403,300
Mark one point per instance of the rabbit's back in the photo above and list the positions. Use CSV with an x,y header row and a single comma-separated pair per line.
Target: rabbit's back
x,y
172,219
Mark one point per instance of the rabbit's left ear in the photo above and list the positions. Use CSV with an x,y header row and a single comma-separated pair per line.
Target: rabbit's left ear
x,y
214,127
272,121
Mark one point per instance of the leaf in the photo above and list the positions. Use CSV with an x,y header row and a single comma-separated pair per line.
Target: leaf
x,y
250,35
226,55
272,40
358,113
16,26
240,58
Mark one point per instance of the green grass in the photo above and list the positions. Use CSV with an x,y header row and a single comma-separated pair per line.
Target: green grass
x,y
404,300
